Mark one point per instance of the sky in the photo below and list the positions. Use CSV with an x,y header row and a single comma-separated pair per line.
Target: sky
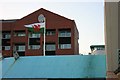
x,y
88,15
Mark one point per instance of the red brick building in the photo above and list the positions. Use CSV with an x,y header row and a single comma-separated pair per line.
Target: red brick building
x,y
61,36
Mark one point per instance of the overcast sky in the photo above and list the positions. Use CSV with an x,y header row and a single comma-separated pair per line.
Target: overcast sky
x,y
89,16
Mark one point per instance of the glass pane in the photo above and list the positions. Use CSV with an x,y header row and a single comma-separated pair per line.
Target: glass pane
x,y
34,35
21,34
20,48
7,47
50,33
34,47
50,47
65,46
7,36
64,34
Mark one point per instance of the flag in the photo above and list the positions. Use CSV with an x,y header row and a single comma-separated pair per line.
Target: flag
x,y
36,27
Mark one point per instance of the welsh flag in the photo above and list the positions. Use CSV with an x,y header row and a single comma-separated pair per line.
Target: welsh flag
x,y
36,27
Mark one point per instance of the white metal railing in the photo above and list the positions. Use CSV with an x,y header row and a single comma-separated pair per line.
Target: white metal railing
x,y
5,47
34,46
20,48
66,34
6,36
64,46
51,47
34,35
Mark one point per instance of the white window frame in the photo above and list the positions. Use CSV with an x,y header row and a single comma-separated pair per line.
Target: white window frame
x,y
50,47
64,46
7,35
20,48
7,47
34,35
19,34
34,46
50,33
64,33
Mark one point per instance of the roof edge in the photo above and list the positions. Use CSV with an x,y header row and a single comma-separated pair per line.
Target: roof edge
x,y
47,11
8,20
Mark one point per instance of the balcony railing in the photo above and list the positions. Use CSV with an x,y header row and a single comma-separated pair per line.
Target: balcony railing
x,y
6,36
66,34
34,35
20,48
64,46
51,47
34,46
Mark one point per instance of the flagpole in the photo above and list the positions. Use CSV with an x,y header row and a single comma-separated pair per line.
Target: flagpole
x,y
41,19
44,38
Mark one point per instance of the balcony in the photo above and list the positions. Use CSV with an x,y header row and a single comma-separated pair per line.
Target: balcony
x,y
34,35
64,46
6,36
6,48
64,33
34,47
50,32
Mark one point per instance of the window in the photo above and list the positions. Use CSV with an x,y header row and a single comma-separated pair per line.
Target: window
x,y
100,48
34,47
50,47
20,48
6,35
64,46
19,34
50,32
5,47
34,35
64,33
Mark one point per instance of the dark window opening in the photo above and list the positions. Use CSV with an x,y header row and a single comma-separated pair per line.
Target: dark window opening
x,y
21,53
64,33
5,42
66,40
19,33
33,41
6,35
49,52
50,32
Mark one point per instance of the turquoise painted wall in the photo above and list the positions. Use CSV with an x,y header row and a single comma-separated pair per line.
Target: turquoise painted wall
x,y
72,66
